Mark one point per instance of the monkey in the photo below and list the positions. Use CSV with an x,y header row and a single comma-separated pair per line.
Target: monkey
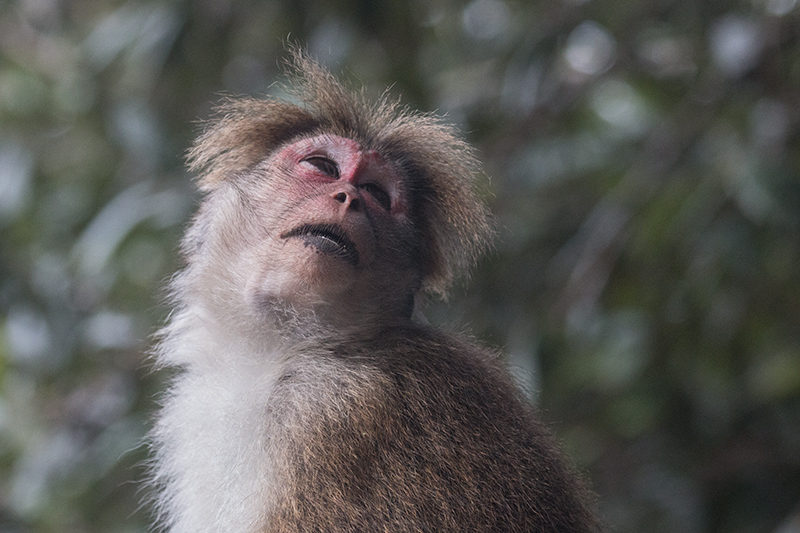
x,y
306,393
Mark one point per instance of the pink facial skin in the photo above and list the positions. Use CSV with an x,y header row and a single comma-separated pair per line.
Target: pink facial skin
x,y
357,177
332,222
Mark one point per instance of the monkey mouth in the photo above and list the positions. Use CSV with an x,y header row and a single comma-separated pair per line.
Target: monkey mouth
x,y
329,239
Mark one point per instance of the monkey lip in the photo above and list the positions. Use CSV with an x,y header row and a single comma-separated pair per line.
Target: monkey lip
x,y
329,239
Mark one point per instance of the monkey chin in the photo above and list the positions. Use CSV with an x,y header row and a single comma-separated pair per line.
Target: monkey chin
x,y
309,288
322,292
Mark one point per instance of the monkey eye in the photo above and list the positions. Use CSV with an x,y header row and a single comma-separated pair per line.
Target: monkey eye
x,y
324,165
377,192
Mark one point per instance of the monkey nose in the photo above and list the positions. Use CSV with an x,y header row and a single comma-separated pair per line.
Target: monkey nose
x,y
349,200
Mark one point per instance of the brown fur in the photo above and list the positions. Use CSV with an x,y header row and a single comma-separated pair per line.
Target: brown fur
x,y
297,411
415,430
454,224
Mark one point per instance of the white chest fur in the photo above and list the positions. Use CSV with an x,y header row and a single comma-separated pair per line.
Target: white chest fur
x,y
215,461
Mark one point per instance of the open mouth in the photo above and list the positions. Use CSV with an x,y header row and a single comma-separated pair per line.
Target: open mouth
x,y
326,238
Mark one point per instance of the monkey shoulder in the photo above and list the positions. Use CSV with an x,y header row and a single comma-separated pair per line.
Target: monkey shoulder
x,y
424,430
422,367
440,382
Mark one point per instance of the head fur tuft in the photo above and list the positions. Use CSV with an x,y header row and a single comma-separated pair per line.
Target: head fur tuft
x,y
451,219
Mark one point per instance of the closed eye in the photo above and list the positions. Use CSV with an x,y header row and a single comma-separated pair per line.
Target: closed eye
x,y
378,193
325,165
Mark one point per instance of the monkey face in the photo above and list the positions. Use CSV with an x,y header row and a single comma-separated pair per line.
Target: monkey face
x,y
350,198
327,227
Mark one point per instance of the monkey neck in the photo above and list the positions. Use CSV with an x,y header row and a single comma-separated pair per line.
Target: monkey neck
x,y
290,322
267,321
278,326
294,327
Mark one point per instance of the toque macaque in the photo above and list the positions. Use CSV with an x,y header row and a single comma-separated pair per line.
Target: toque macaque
x,y
305,396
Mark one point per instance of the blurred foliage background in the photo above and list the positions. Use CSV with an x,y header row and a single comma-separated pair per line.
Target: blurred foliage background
x,y
644,165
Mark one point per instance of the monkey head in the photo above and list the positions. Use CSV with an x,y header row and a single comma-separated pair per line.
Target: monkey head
x,y
333,207
337,234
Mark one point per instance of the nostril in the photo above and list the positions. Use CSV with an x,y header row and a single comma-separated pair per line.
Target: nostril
x,y
351,201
